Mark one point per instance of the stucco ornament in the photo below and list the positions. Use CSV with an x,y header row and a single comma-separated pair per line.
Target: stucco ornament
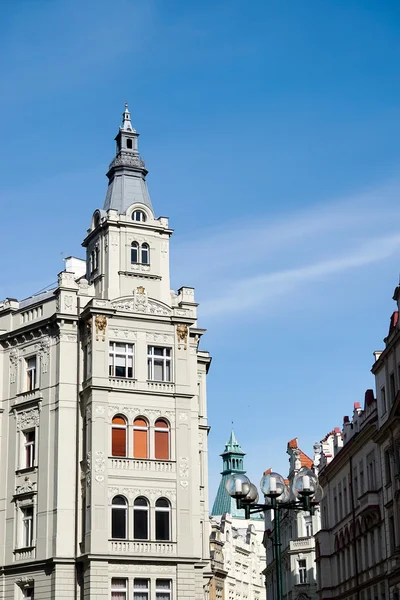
x,y
28,418
101,326
184,471
13,365
99,466
26,488
182,333
44,350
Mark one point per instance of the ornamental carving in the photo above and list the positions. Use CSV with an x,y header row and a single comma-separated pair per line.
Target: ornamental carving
x,y
100,410
26,488
159,338
184,471
151,494
127,159
182,333
151,413
28,418
43,350
141,303
68,303
100,322
88,472
99,466
13,365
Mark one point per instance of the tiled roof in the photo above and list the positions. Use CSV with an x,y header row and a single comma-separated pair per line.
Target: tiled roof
x,y
305,460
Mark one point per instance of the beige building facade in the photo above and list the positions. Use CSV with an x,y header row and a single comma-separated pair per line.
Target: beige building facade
x,y
103,416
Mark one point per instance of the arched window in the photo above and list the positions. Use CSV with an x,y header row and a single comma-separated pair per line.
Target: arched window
x,y
118,436
161,440
141,519
96,258
129,144
145,254
134,252
138,215
119,507
163,519
140,438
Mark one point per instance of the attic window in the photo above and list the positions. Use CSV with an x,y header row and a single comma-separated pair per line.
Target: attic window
x,y
129,143
138,215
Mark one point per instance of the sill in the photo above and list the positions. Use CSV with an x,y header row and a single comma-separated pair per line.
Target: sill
x,y
159,381
27,392
26,470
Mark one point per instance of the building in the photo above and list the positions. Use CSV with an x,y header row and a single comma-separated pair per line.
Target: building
x,y
358,545
299,579
236,550
103,416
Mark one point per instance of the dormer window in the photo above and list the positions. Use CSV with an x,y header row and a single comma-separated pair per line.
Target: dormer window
x,y
138,215
129,144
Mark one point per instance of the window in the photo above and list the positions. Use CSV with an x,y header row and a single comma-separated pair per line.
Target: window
x,y
392,539
141,519
138,215
145,254
383,400
29,448
163,519
335,505
371,471
129,144
159,363
141,589
361,477
392,388
120,360
31,374
345,505
118,436
134,252
118,517
163,589
27,527
308,526
302,566
140,438
29,593
119,589
161,440
388,470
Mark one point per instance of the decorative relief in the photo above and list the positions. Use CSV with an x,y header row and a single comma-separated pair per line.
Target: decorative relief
x,y
140,303
89,413
183,416
100,303
100,465
114,240
100,410
28,418
164,247
88,472
13,365
142,268
182,333
124,333
135,568
127,159
184,471
151,494
68,303
26,488
151,413
24,581
159,338
43,349
100,322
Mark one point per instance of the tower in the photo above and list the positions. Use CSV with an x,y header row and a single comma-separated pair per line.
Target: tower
x,y
103,416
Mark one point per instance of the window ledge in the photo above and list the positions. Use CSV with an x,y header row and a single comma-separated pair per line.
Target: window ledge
x,y
26,553
26,470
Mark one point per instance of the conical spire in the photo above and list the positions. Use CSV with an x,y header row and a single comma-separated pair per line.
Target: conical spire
x,y
126,120
232,446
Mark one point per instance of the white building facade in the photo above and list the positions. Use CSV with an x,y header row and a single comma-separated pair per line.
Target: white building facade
x,y
103,417
299,576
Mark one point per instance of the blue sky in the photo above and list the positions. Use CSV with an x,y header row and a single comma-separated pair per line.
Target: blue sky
x,y
271,134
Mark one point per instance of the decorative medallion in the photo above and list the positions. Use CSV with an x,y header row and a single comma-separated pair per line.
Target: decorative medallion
x,y
182,333
101,325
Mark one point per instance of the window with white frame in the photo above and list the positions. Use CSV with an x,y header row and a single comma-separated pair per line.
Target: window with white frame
x,y
138,215
141,589
31,373
27,526
302,568
119,589
29,438
163,589
145,254
159,363
308,526
121,360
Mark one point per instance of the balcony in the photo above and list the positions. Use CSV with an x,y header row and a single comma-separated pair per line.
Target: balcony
x,y
306,543
141,465
24,553
27,397
368,503
145,548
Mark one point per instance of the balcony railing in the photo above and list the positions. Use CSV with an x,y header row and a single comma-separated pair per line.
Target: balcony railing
x,y
306,543
137,464
147,548
160,386
122,383
24,553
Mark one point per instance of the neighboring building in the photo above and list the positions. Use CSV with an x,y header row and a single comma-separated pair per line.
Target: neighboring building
x,y
351,552
297,538
237,553
358,546
103,417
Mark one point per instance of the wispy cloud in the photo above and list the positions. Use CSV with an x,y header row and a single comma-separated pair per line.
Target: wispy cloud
x,y
244,266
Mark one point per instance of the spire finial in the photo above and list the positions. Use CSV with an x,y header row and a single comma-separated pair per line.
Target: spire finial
x,y
126,120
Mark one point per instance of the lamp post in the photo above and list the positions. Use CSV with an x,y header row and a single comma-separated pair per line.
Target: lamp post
x,y
305,494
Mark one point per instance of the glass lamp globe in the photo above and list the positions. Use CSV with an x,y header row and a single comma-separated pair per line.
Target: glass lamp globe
x,y
272,485
285,496
318,495
252,495
305,483
238,485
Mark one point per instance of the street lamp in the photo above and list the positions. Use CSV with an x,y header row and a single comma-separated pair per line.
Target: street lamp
x,y
304,494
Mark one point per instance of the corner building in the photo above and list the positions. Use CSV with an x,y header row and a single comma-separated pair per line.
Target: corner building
x,y
103,422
